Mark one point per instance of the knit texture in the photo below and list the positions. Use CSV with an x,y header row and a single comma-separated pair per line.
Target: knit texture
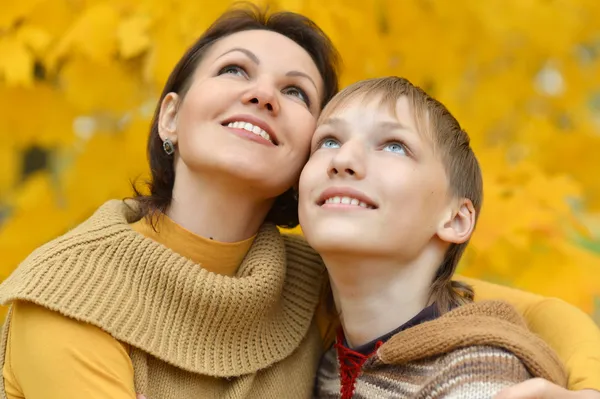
x,y
184,323
473,351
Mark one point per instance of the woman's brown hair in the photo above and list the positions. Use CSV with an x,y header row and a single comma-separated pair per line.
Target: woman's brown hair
x,y
294,26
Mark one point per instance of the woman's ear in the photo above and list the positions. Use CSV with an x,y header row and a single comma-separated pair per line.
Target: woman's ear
x,y
167,118
460,223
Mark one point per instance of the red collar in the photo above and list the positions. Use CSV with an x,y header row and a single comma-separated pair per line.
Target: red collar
x,y
351,363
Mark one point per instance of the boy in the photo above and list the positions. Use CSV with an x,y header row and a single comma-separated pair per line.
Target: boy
x,y
390,198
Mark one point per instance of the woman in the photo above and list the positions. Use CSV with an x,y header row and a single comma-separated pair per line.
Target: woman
x,y
192,292
227,143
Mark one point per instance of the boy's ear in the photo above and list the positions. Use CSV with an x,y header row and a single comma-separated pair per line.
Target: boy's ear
x,y
459,224
167,119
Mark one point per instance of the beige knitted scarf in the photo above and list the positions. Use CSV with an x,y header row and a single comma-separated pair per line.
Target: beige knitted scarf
x,y
142,293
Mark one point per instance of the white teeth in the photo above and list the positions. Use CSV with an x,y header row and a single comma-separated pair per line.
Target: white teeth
x,y
251,128
348,201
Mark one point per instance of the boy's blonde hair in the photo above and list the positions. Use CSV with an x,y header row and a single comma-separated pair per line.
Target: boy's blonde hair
x,y
451,143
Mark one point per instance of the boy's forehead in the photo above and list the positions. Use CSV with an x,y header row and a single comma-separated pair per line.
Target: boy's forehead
x,y
372,109
358,106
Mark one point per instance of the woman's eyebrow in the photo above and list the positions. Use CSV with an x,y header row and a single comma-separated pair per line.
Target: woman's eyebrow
x,y
247,52
256,60
302,75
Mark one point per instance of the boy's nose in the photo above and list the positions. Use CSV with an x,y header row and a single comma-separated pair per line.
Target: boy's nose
x,y
348,162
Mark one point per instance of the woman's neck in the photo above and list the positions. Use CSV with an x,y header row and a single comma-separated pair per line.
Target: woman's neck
x,y
216,210
376,296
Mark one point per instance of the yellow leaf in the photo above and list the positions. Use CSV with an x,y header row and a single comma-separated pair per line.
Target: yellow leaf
x,y
13,11
167,49
93,34
53,16
34,38
9,168
112,90
16,63
133,36
92,180
564,273
35,201
35,116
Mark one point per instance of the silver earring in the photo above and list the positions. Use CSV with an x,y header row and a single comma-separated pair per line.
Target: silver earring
x,y
168,146
296,195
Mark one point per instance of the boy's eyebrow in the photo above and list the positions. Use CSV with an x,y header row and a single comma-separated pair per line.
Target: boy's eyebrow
x,y
333,121
387,125
396,125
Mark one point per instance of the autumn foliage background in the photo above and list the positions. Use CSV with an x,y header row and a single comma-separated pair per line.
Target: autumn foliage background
x,y
79,80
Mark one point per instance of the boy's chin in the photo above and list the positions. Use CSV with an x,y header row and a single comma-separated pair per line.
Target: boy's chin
x,y
337,240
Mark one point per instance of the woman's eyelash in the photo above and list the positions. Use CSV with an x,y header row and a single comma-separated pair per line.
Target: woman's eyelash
x,y
236,69
303,96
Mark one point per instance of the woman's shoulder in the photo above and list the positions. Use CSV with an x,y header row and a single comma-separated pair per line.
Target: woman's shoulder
x,y
37,325
63,347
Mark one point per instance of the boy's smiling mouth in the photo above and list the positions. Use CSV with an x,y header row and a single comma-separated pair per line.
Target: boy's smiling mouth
x,y
345,197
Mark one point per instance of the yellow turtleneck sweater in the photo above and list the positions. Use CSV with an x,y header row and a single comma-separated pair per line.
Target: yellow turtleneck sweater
x,y
71,358
87,362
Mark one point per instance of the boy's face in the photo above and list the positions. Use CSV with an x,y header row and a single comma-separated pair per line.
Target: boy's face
x,y
373,185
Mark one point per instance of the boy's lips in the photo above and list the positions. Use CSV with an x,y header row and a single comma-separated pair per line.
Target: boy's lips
x,y
345,196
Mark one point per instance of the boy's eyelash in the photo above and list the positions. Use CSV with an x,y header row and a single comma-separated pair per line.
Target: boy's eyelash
x,y
384,143
398,141
324,139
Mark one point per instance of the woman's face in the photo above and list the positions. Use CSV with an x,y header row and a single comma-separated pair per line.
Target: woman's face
x,y
249,114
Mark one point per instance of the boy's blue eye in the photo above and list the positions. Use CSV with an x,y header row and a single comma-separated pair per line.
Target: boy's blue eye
x,y
329,143
395,147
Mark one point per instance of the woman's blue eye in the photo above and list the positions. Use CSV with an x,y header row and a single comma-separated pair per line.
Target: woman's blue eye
x,y
233,70
297,92
395,147
329,143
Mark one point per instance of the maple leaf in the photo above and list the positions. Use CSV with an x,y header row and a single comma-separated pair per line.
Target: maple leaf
x,y
133,35
79,79
16,63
